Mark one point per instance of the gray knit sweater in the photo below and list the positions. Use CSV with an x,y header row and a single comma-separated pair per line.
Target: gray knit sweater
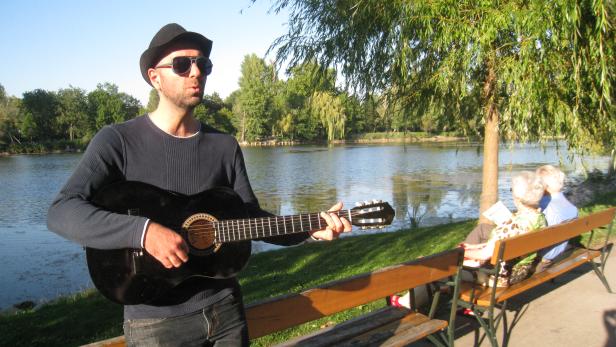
x,y
137,150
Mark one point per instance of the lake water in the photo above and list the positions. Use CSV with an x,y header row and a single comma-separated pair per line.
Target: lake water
x,y
432,183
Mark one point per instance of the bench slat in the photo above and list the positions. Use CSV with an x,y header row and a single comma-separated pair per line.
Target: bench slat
x,y
291,310
482,294
531,242
117,341
399,333
389,326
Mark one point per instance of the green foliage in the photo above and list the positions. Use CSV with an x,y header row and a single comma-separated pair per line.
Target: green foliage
x,y
214,112
72,116
153,100
9,113
255,99
106,105
330,111
39,109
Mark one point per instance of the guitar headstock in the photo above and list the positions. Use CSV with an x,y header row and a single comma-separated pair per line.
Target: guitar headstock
x,y
372,214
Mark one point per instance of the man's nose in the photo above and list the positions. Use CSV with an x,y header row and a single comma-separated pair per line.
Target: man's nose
x,y
194,70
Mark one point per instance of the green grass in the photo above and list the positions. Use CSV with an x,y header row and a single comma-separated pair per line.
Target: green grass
x,y
88,317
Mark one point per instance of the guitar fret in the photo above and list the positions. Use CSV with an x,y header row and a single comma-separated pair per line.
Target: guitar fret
x,y
262,226
301,227
244,229
237,235
229,231
350,219
269,223
310,220
284,223
292,224
277,229
319,219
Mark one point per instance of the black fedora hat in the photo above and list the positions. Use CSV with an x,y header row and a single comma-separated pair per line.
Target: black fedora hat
x,y
167,35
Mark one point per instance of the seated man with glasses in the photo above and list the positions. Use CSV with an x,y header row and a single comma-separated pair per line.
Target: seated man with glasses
x,y
169,149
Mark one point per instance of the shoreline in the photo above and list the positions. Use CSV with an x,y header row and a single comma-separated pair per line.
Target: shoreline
x,y
284,143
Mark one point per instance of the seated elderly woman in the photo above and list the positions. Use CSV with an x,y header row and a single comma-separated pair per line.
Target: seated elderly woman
x,y
527,190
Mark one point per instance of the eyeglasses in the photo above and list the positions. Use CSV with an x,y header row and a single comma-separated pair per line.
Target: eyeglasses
x,y
182,65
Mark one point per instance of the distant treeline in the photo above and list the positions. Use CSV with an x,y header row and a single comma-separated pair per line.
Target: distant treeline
x,y
307,106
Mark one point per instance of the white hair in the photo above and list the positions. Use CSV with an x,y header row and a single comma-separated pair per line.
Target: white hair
x,y
528,188
553,178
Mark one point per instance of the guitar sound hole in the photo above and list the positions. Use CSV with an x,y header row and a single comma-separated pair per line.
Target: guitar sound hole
x,y
201,234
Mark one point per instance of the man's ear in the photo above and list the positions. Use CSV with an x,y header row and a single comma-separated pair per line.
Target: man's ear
x,y
154,78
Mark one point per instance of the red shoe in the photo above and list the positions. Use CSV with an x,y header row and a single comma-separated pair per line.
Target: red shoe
x,y
466,312
394,301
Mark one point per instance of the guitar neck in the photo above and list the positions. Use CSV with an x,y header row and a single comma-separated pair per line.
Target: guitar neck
x,y
255,228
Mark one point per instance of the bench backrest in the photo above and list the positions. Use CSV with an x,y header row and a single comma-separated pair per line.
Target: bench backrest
x,y
545,237
291,310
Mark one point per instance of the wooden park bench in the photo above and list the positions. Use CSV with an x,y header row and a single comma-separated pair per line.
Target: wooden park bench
x,y
484,300
387,326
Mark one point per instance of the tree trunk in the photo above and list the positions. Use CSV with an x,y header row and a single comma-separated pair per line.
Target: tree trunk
x,y
489,188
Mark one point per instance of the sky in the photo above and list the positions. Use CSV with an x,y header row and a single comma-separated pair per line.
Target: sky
x,y
56,44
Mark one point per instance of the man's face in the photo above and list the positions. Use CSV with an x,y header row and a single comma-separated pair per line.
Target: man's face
x,y
184,90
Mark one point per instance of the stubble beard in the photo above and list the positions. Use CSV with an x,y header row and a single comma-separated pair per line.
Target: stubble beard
x,y
188,102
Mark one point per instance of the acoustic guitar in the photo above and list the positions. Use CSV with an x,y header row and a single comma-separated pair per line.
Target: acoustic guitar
x,y
214,224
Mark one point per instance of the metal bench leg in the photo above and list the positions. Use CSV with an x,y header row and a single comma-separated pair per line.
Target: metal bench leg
x,y
601,276
488,327
599,268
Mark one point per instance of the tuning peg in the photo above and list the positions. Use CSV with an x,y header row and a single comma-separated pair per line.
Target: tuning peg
x,y
366,202
376,201
358,204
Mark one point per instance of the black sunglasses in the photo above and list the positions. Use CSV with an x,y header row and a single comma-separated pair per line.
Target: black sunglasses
x,y
182,65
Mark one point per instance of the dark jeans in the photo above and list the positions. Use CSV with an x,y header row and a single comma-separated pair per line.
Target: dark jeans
x,y
220,324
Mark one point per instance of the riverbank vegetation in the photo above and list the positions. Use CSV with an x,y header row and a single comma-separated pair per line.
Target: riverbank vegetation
x,y
88,317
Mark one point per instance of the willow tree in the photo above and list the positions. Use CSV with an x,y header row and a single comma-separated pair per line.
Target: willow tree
x,y
518,70
329,110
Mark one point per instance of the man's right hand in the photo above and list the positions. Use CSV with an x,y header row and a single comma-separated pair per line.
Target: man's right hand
x,y
165,245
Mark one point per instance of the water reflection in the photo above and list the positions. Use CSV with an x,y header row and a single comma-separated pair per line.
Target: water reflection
x,y
414,196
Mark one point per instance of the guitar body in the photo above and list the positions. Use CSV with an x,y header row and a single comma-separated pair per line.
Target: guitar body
x,y
132,276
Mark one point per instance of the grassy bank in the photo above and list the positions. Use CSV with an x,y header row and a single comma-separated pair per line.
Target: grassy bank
x,y
88,317
46,147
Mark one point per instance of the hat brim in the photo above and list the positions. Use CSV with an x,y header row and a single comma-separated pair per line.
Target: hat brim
x,y
151,55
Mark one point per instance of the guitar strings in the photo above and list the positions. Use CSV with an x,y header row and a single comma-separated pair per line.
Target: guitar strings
x,y
296,220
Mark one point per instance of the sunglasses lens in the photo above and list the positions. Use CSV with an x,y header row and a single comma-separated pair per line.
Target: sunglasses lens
x,y
204,65
181,65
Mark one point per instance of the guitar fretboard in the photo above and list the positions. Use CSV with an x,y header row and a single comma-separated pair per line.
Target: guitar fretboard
x,y
255,228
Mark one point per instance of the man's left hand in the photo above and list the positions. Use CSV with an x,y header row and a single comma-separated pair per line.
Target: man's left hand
x,y
335,224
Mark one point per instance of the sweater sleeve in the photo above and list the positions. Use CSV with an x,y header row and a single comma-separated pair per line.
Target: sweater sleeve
x,y
74,217
244,190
